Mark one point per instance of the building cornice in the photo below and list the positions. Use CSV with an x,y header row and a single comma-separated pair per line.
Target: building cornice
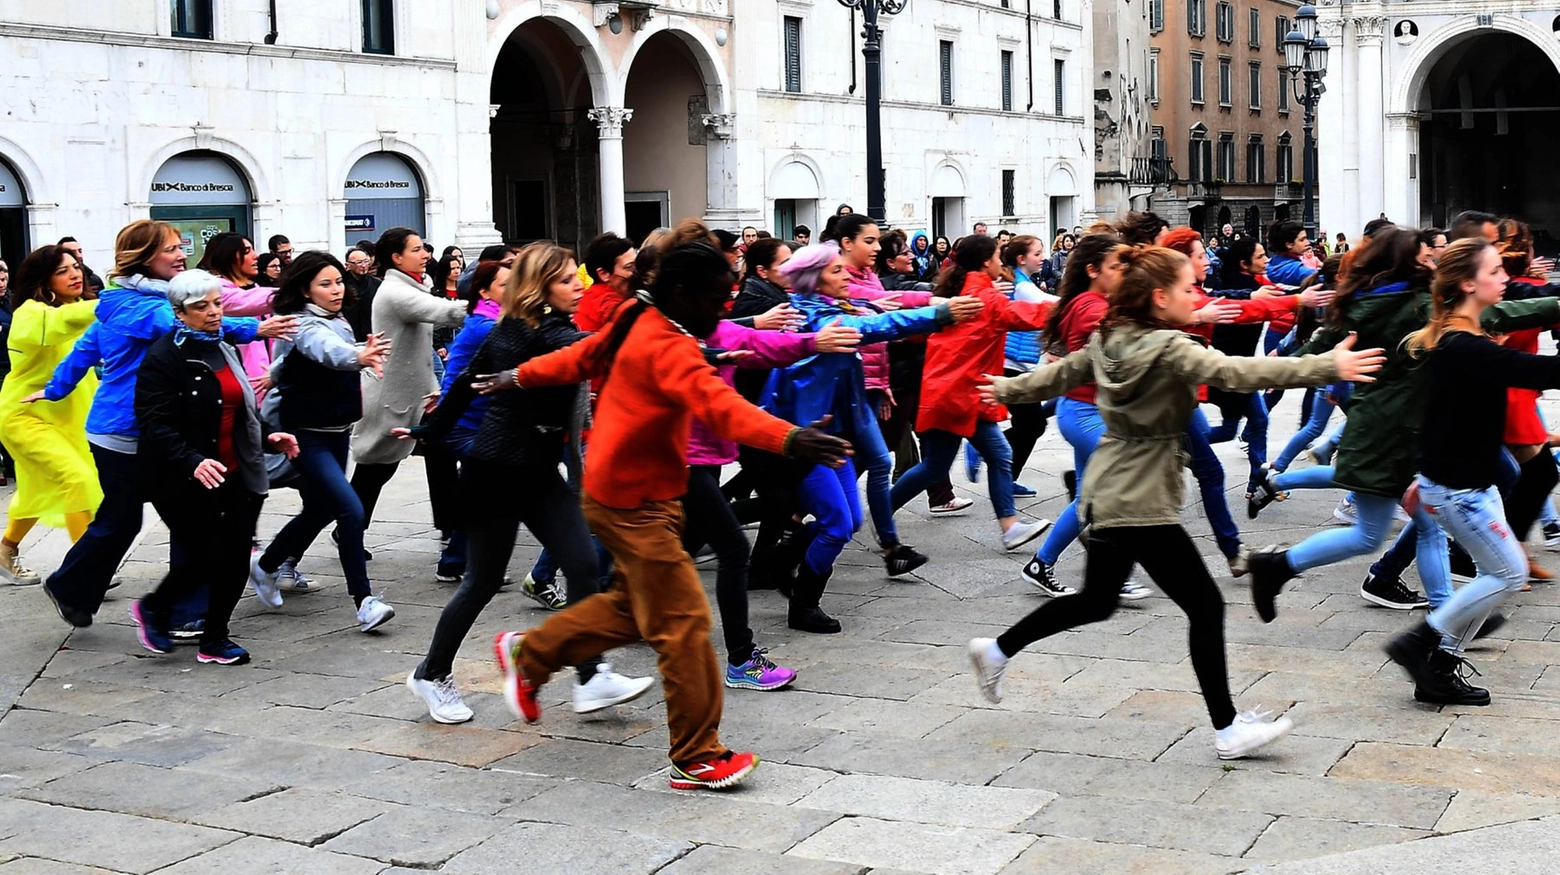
x,y
923,107
181,44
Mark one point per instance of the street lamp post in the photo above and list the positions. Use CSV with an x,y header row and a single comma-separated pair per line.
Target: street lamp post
x,y
872,52
1305,54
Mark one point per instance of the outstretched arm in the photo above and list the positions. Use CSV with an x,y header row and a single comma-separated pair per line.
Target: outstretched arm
x,y
1045,382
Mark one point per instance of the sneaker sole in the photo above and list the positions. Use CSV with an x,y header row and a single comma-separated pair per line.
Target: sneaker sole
x,y
1420,696
960,512
896,570
1136,596
746,684
506,663
222,660
603,704
1388,603
7,577
1039,530
730,780
378,621
546,605
411,678
298,590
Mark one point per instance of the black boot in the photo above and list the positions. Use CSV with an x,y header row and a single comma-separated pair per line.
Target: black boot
x,y
1448,687
1413,650
792,559
805,615
1070,480
1269,572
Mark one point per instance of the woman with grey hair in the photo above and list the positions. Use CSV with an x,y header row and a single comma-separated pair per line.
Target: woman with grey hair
x,y
202,450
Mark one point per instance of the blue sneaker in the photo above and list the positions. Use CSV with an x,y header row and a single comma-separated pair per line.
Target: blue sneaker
x,y
150,629
971,462
758,673
1022,491
225,653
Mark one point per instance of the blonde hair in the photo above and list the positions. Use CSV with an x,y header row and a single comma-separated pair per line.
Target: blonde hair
x,y
1145,269
537,267
1457,265
137,244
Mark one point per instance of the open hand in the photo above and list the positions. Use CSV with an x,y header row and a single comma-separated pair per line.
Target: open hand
x,y
282,327
964,308
487,384
1316,297
1356,366
986,388
34,397
781,317
836,337
286,443
209,473
1219,311
816,445
374,352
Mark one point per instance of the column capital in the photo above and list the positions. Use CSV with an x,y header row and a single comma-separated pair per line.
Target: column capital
x,y
610,119
1369,29
722,125
1408,120
1330,27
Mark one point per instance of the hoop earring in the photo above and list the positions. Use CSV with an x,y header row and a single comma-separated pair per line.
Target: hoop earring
x,y
52,298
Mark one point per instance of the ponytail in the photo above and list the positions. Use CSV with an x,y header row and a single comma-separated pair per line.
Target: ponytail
x,y
1458,264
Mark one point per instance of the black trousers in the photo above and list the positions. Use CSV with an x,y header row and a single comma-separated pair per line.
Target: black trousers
x,y
368,481
1167,555
216,527
545,505
1526,500
708,518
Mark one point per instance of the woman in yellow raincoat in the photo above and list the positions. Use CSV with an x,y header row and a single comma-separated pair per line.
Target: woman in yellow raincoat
x,y
56,482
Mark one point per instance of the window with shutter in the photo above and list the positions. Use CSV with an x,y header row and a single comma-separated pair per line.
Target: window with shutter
x,y
1061,87
793,53
945,68
1009,193
1007,81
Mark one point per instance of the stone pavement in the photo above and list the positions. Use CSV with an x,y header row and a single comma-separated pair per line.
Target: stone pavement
x,y
316,759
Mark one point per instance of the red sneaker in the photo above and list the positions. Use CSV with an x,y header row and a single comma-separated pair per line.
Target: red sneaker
x,y
518,692
727,770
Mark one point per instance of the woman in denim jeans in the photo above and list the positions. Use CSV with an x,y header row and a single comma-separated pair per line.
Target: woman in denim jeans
x,y
1460,448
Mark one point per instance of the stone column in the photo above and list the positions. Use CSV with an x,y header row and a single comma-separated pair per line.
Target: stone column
x,y
1401,171
467,198
720,158
609,124
1368,33
1337,136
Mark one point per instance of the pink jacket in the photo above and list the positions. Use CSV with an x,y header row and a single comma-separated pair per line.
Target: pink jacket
x,y
254,301
864,285
771,349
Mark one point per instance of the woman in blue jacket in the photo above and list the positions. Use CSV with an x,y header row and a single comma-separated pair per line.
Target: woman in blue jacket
x,y
833,385
132,313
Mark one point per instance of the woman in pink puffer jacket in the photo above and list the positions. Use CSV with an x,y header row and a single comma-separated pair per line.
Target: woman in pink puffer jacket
x,y
232,258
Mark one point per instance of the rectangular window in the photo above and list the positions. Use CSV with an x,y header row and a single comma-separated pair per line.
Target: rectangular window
x,y
1226,169
1197,77
1009,193
1061,87
192,18
1007,82
1156,15
1283,89
1200,158
793,54
1254,74
1285,160
945,67
1224,24
1281,28
1196,17
379,27
1153,76
1226,86
1056,9
1256,161
1255,39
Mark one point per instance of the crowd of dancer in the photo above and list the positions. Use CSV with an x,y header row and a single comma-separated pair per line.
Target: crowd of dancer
x,y
599,402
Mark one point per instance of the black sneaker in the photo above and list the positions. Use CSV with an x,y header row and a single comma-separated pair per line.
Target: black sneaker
x,y
1043,577
903,559
1450,683
1263,493
188,633
1070,480
449,572
1413,650
1463,569
69,613
1389,592
1269,572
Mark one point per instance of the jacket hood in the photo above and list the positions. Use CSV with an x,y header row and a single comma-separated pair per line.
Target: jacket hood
x,y
920,244
118,299
1126,355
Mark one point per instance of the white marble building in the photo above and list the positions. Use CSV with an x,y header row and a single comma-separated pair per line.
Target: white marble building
x,y
481,120
1434,106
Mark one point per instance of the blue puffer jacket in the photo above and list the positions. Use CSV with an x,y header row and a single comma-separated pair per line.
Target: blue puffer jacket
x,y
465,345
1288,271
1023,346
131,313
833,382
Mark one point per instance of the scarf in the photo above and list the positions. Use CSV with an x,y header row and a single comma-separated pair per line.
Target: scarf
x,y
489,308
182,332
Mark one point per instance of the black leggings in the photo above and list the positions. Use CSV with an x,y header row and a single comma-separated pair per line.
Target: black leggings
x,y
1525,502
368,480
551,510
1167,555
709,519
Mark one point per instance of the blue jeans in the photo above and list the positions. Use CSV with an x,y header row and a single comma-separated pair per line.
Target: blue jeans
x,y
939,449
1210,482
322,471
1255,412
1315,426
1314,477
872,454
830,495
1081,425
1373,519
1477,519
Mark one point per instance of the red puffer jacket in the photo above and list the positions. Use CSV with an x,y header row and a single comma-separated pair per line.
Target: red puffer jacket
x,y
960,353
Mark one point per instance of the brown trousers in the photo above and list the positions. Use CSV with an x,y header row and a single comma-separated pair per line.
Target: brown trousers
x,y
656,596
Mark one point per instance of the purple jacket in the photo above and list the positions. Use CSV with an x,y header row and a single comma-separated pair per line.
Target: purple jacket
x,y
771,349
864,285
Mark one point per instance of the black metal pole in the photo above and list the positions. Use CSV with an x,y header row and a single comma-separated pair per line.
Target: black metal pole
x,y
1309,219
872,51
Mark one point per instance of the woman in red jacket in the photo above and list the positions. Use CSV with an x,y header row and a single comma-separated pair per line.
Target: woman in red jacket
x,y
955,359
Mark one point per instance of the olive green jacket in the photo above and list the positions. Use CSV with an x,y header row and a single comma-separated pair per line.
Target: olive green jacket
x,y
1148,380
1379,452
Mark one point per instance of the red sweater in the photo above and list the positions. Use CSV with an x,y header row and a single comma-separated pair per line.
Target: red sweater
x,y
659,382
1084,314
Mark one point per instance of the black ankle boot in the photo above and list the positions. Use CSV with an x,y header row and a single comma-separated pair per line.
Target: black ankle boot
x,y
1269,572
804,614
791,558
1413,650
1448,686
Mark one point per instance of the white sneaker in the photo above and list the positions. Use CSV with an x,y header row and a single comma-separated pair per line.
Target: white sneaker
x,y
607,688
444,702
1250,731
1022,533
264,584
1132,591
12,570
1344,512
290,579
956,507
989,666
1401,514
373,613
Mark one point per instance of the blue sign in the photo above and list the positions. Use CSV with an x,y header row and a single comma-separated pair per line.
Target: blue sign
x,y
360,223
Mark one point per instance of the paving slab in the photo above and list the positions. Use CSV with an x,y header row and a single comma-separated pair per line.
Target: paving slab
x,y
1054,855
416,836
1295,838
150,791
252,855
914,847
933,802
716,860
104,838
1529,847
276,815
550,847
1154,824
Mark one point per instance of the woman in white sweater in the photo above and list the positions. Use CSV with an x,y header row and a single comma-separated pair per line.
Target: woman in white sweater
x,y
404,313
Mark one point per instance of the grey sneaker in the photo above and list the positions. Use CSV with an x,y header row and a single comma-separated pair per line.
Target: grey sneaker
x,y
373,613
290,579
1022,533
442,698
264,584
551,595
988,670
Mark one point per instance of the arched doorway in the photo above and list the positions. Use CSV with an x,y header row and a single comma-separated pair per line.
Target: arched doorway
x,y
545,149
665,167
794,189
14,243
202,194
1489,119
383,191
947,191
